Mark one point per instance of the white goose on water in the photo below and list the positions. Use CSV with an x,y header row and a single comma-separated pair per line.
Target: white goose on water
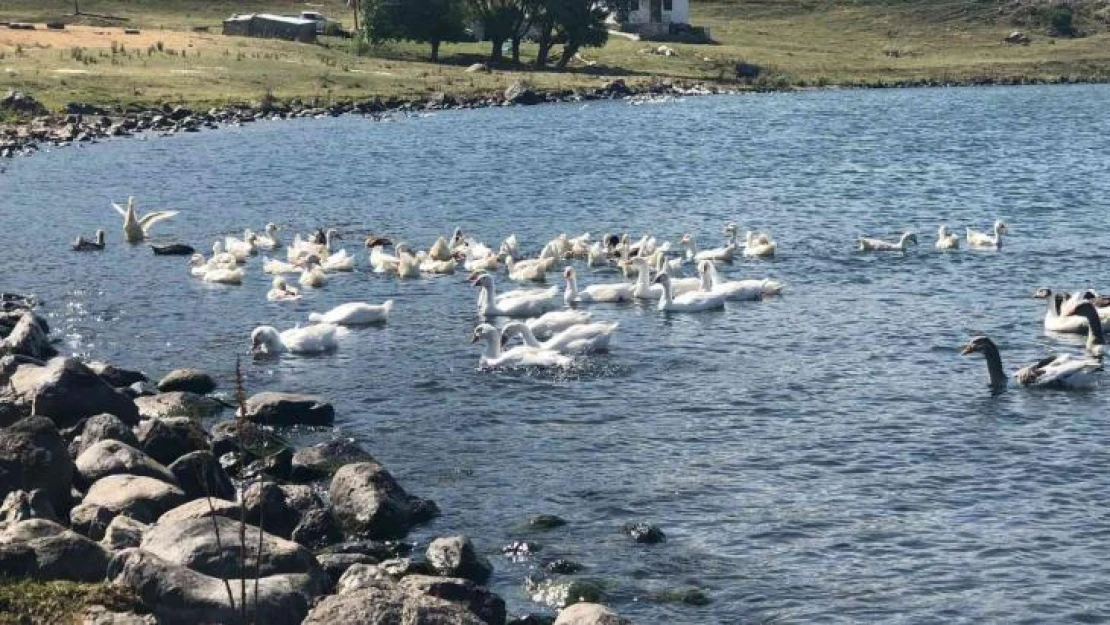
x,y
521,306
711,282
281,292
355,314
549,323
275,266
586,338
215,271
314,339
521,356
759,245
269,240
1055,320
694,301
720,254
947,240
983,240
643,288
612,292
878,245
1058,371
534,270
135,228
313,276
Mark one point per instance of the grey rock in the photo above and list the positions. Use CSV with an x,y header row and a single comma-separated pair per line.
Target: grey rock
x,y
139,497
59,554
368,606
590,614
31,529
67,391
202,509
22,104
200,475
179,596
477,600
336,564
367,501
323,460
168,439
455,556
115,458
116,376
103,427
190,380
192,543
266,505
100,615
34,456
30,337
123,533
17,560
19,505
360,576
546,522
91,520
644,533
316,529
286,409
520,93
177,404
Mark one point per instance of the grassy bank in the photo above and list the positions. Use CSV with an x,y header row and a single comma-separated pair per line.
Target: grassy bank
x,y
57,603
797,42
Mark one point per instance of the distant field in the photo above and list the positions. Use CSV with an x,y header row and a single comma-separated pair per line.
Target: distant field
x,y
797,42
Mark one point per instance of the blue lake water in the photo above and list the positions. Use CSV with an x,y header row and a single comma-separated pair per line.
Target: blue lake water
x,y
826,456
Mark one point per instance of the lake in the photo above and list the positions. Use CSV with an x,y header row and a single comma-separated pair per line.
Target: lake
x,y
824,456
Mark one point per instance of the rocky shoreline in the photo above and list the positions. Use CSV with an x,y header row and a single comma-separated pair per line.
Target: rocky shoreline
x,y
107,476
85,123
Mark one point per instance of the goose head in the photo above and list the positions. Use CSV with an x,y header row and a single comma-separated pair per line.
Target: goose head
x,y
731,229
484,332
1000,227
569,274
271,229
663,279
978,344
196,260
1042,293
482,280
217,248
100,238
457,236
279,283
265,339
908,238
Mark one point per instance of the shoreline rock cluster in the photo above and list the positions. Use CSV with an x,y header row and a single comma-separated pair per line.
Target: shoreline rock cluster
x,y
83,123
108,477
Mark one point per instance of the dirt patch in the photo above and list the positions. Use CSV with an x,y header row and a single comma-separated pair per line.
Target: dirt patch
x,y
95,37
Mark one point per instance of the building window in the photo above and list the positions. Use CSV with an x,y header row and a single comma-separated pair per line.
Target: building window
x,y
634,6
668,5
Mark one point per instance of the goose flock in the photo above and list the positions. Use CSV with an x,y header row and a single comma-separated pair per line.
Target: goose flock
x,y
551,322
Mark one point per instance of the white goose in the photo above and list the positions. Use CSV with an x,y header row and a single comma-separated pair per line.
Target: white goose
x,y
613,292
983,240
313,276
595,256
355,314
1058,371
241,249
381,262
550,323
269,240
643,288
878,245
1055,320
586,338
521,306
312,339
719,254
440,251
759,245
430,265
695,301
408,267
735,289
521,356
281,292
673,266
215,272
338,261
947,240
275,266
510,248
135,228
534,270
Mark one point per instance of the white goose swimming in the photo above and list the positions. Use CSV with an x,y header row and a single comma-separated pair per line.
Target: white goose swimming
x,y
878,245
1055,320
1058,371
338,261
612,292
550,323
269,240
510,248
759,245
355,314
275,266
643,288
430,265
214,271
521,306
534,270
313,276
720,254
947,240
520,356
241,249
983,240
381,262
586,338
440,251
694,301
314,339
408,267
711,282
135,228
281,292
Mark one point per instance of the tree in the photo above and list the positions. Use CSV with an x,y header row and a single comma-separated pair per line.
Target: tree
x,y
500,21
424,21
581,23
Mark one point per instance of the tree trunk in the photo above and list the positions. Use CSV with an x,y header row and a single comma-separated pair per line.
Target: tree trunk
x,y
569,50
516,49
545,46
435,51
355,6
495,53
77,7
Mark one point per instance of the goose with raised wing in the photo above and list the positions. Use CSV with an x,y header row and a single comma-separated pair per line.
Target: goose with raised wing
x,y
521,356
1058,371
135,228
694,301
611,292
313,339
355,314
585,338
984,240
866,244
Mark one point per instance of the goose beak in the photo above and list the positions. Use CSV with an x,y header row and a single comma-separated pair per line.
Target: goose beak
x,y
967,349
473,338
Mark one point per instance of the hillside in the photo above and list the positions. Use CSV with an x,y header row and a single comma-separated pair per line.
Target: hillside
x,y
794,42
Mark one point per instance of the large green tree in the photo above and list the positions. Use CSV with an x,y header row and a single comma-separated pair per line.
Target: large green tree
x,y
426,21
580,23
501,20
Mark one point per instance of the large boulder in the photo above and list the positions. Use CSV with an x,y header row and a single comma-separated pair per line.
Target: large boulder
x,y
91,520
123,533
286,409
189,380
200,475
168,439
179,596
177,404
59,554
388,604
202,509
520,93
316,529
590,614
455,556
67,391
117,377
20,505
33,455
102,427
266,505
19,103
367,501
323,460
30,337
115,458
139,497
478,600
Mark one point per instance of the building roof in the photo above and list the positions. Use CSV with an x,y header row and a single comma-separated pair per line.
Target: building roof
x,y
296,21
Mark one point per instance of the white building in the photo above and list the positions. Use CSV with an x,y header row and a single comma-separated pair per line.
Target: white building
x,y
655,16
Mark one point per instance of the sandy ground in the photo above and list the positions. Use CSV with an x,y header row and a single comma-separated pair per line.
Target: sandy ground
x,y
102,37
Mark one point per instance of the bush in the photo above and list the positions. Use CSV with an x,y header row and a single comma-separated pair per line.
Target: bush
x,y
1059,20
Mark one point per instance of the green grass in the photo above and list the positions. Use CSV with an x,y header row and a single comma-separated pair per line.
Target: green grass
x,y
797,42
57,603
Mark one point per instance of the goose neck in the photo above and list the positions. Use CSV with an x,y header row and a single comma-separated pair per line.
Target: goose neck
x,y
995,373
